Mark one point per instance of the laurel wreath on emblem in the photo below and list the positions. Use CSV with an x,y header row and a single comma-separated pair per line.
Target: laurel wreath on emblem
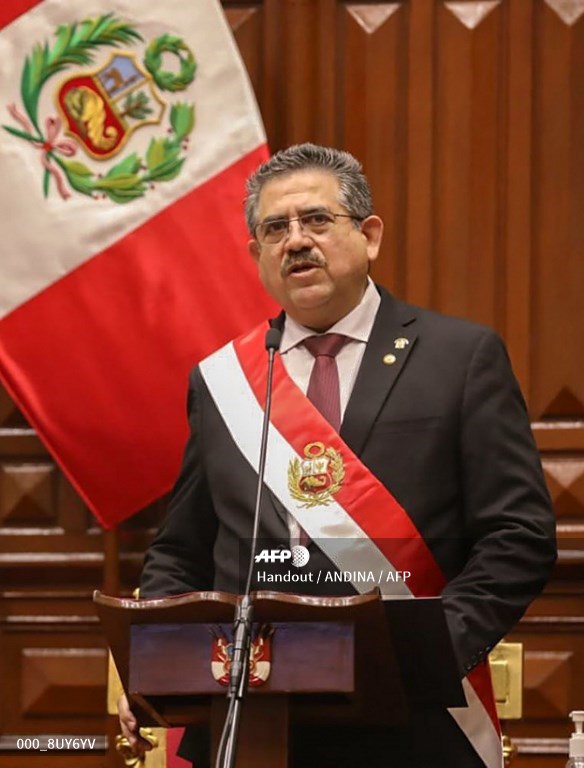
x,y
168,81
129,178
318,498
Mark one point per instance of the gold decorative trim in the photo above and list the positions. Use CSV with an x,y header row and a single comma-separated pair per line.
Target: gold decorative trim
x,y
506,662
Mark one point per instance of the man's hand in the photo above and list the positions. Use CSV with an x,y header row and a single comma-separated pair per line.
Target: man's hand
x,y
129,726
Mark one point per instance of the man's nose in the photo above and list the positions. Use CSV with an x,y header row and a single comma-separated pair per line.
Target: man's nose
x,y
296,236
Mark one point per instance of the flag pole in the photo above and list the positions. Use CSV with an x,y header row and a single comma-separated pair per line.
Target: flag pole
x,y
111,562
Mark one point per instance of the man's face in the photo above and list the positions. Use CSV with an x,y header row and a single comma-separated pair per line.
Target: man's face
x,y
316,278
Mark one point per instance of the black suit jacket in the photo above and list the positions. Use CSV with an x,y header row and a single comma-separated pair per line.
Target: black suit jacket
x,y
445,429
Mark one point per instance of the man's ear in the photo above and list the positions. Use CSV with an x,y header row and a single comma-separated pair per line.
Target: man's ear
x,y
372,229
254,248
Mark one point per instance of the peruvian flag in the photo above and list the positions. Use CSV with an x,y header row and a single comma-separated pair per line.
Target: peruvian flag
x,y
127,130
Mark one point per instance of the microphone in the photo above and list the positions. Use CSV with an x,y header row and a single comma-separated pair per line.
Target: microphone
x,y
272,345
272,342
239,671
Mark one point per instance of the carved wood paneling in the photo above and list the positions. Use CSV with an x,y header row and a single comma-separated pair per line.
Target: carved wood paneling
x,y
469,134
10,416
247,26
569,11
565,479
557,389
52,670
57,682
27,493
515,278
553,639
370,110
418,193
471,14
547,683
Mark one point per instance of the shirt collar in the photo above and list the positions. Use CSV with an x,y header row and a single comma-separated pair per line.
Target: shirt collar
x,y
357,324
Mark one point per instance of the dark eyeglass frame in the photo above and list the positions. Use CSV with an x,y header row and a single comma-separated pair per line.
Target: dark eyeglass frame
x,y
329,216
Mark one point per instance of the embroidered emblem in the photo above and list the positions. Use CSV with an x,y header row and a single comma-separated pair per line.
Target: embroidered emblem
x,y
260,656
102,108
401,343
316,478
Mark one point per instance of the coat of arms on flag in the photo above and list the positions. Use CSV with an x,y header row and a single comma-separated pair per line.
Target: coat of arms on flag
x,y
101,108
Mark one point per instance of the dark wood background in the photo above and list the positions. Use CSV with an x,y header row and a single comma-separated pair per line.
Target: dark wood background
x,y
469,118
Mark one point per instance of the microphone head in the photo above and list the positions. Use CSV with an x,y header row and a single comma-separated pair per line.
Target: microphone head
x,y
273,339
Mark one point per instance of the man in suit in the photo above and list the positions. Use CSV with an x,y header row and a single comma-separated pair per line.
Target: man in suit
x,y
435,470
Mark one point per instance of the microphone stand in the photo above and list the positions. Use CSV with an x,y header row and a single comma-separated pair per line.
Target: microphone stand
x,y
239,671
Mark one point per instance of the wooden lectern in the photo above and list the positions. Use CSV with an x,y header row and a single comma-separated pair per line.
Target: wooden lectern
x,y
341,660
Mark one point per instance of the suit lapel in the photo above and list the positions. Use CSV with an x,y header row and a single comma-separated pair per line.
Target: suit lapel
x,y
391,342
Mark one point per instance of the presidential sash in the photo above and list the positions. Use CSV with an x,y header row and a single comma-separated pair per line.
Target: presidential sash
x,y
337,500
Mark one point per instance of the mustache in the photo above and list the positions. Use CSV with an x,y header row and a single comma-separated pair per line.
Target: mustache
x,y
305,256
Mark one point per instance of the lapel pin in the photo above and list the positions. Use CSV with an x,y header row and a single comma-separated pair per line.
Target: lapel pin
x,y
401,343
389,359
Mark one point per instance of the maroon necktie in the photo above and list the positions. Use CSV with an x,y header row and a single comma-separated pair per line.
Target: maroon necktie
x,y
323,387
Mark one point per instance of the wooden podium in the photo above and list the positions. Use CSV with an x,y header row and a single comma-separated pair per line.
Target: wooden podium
x,y
341,660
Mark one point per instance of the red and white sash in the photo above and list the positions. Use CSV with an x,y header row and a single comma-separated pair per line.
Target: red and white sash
x,y
361,526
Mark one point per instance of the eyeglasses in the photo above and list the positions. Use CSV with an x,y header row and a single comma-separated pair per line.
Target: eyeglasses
x,y
316,223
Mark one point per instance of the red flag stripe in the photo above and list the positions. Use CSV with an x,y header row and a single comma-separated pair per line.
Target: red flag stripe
x,y
12,9
118,313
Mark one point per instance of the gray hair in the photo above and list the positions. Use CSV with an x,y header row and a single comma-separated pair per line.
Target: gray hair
x,y
354,191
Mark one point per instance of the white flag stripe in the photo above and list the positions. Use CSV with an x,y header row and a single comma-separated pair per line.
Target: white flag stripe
x,y
227,126
476,724
339,536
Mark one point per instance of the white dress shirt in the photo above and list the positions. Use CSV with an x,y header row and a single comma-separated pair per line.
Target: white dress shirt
x,y
298,361
357,325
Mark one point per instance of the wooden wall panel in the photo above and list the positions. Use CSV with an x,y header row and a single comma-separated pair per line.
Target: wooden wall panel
x,y
553,637
558,321
514,280
419,173
52,651
469,130
469,118
247,26
52,670
370,114
556,325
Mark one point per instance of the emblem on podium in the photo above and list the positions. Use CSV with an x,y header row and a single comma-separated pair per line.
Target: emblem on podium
x,y
260,656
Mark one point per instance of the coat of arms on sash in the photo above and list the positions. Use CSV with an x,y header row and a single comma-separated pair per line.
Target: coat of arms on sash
x,y
315,479
101,109
260,656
